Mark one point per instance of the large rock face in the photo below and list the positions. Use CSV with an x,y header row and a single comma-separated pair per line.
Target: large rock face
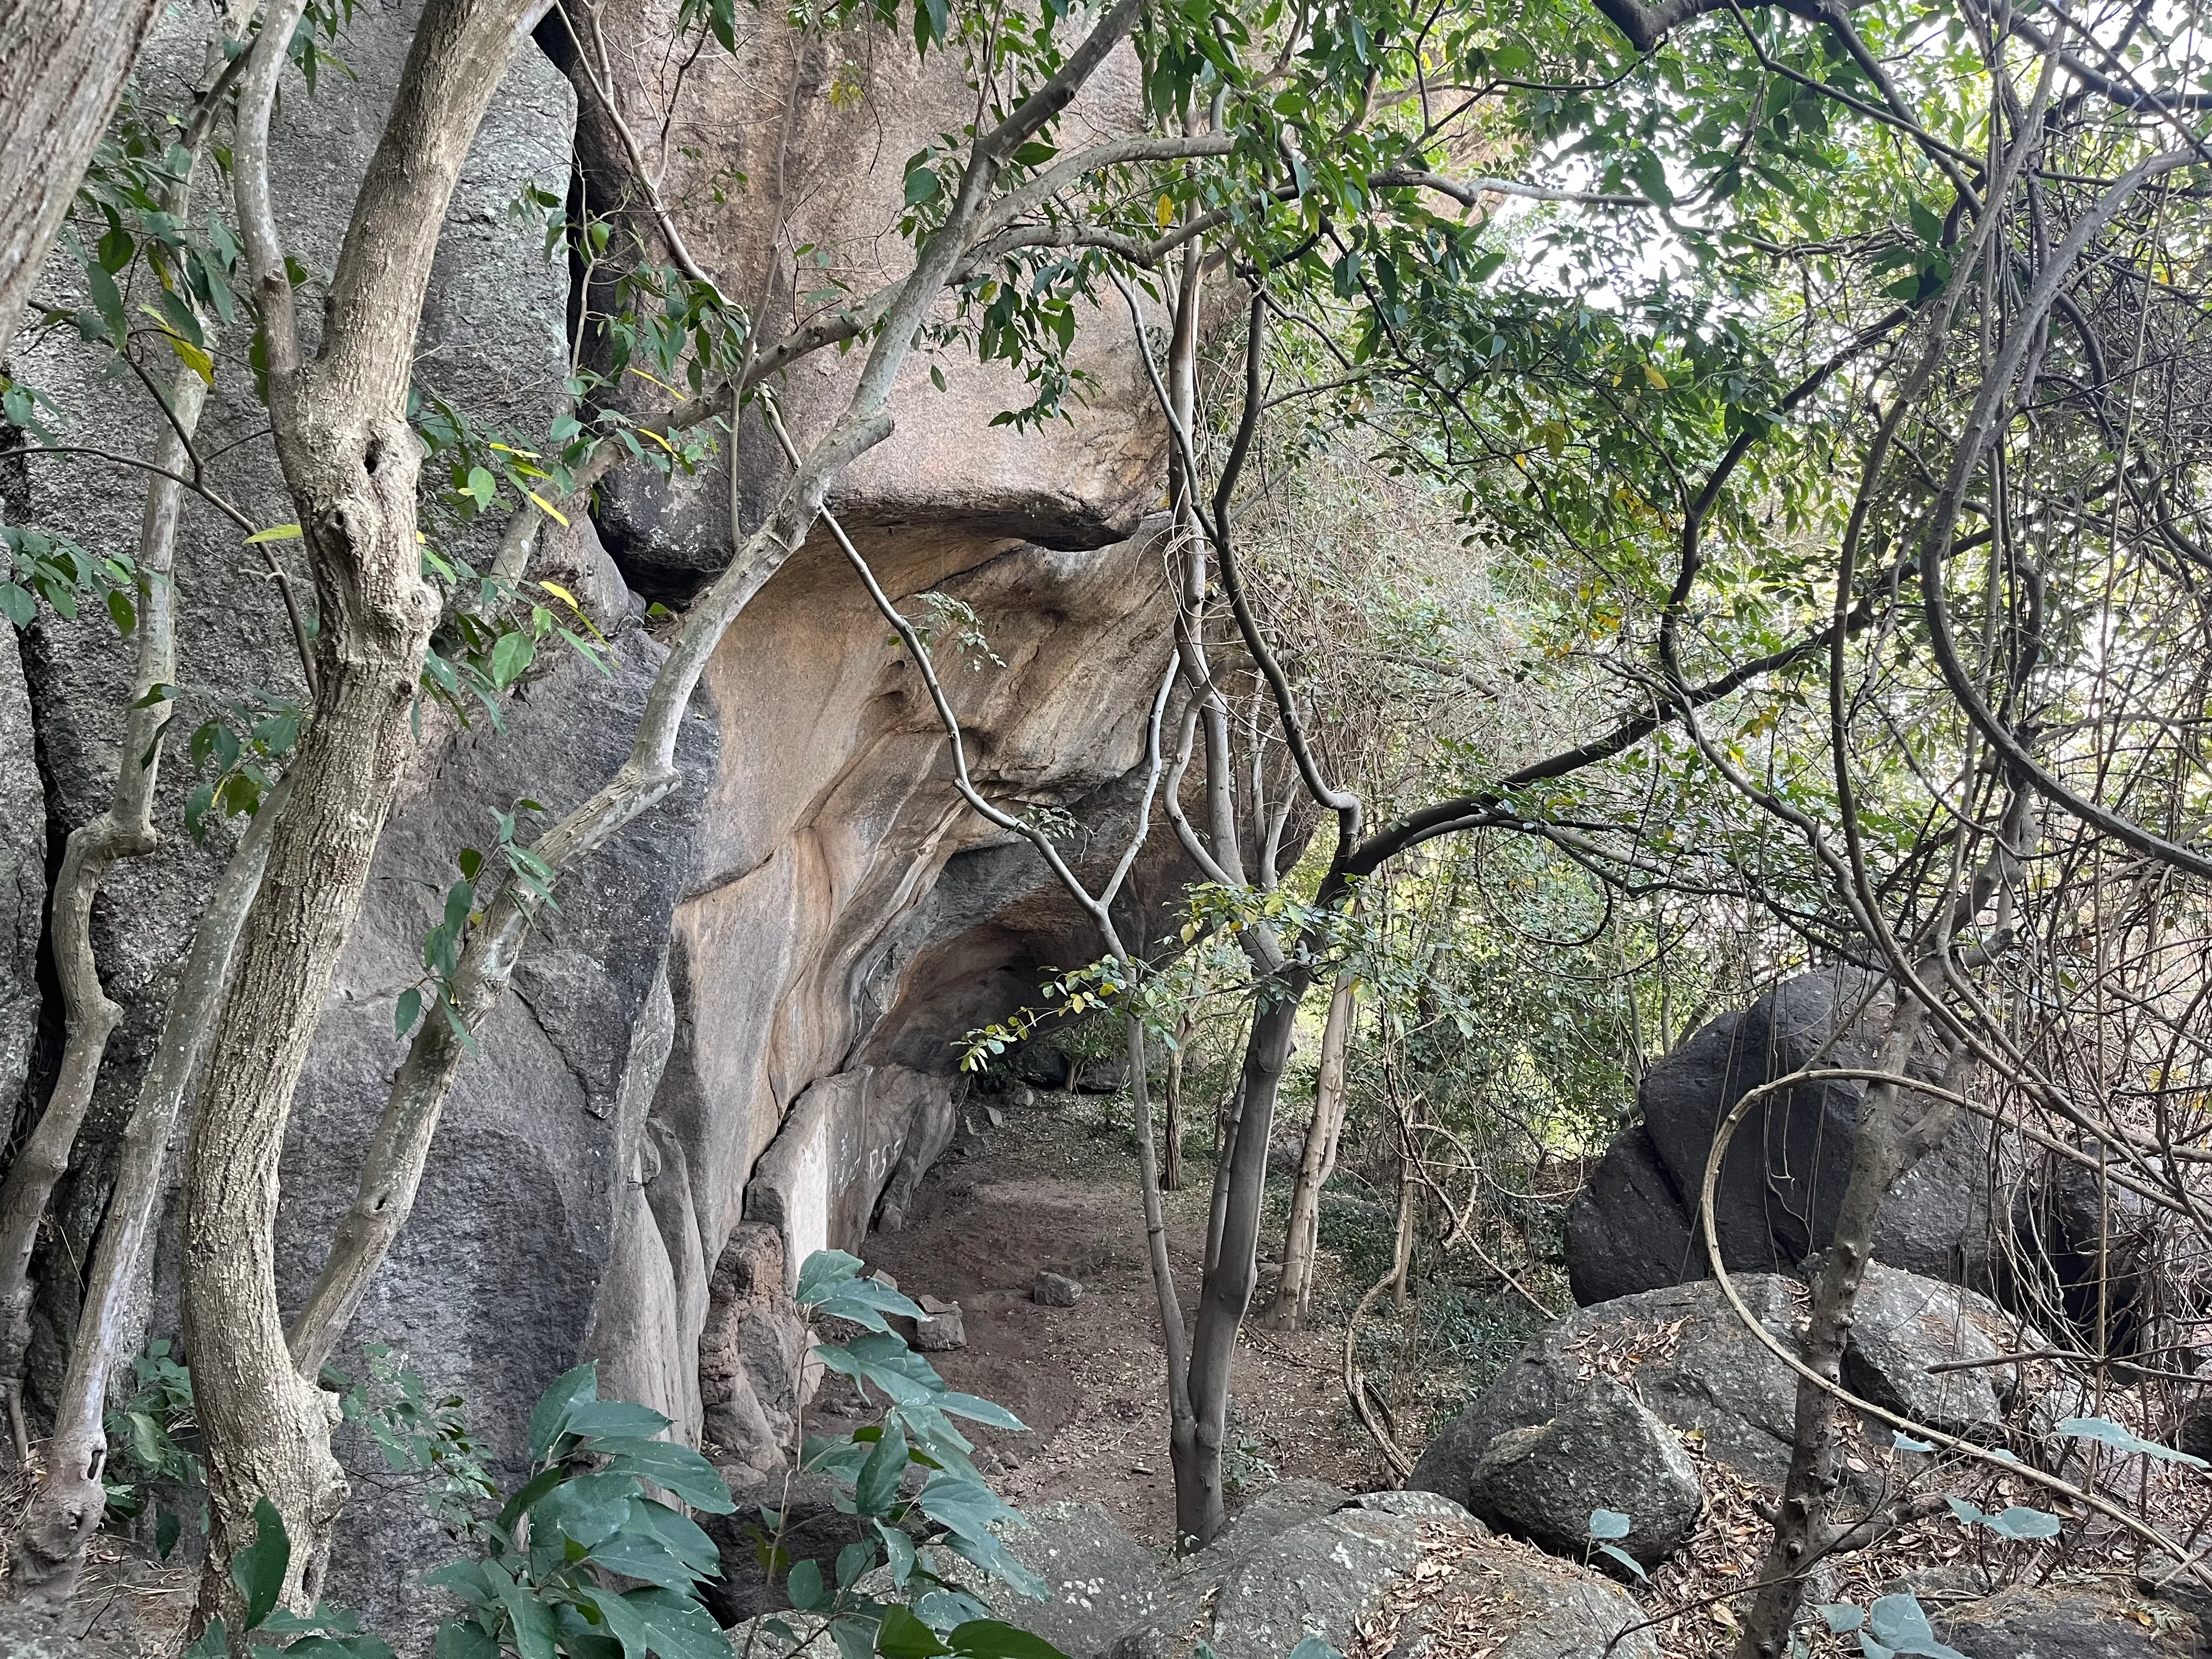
x,y
1632,1227
737,1039
1690,1359
1396,1572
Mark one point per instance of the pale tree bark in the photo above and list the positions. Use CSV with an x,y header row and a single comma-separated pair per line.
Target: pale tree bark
x,y
1316,1164
351,463
62,65
124,830
66,1509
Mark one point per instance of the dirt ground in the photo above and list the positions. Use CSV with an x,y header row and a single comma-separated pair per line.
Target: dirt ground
x,y
1055,1188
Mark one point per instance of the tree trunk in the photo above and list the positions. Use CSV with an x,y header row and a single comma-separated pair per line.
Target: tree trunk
x,y
1883,1151
1241,1183
1171,1175
67,1508
351,464
1316,1163
123,830
1401,1243
63,64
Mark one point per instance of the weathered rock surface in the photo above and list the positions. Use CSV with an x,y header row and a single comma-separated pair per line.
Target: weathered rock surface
x,y
1784,1177
1604,1451
745,1016
26,1635
2068,1622
1102,1581
1904,1324
1408,1561
1691,1361
1688,1357
1052,1290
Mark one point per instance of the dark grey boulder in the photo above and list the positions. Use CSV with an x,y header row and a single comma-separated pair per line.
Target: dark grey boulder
x,y
1052,1290
1628,1230
1784,1177
1387,1556
1904,1324
1691,1361
1605,1451
27,1635
2070,1622
1278,1508
1692,1364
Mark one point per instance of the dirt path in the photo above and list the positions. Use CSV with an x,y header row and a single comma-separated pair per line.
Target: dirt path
x,y
1055,1189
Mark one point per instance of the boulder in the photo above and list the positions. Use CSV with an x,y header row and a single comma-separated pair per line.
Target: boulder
x,y
1052,1290
1102,1581
1786,1169
1686,1355
1604,1451
1274,1509
942,1332
1904,1324
1627,1229
1398,1572
27,1635
2059,1621
1684,1351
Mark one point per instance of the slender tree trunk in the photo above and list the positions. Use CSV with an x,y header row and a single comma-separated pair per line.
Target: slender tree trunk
x,y
66,1509
1316,1163
62,64
123,830
1882,1152
351,463
1401,1243
1240,1181
1171,1176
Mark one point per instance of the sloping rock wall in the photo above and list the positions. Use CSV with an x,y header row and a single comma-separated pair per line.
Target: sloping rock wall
x,y
738,1038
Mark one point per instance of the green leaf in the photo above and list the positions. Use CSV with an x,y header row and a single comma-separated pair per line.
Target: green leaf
x,y
1625,1558
108,299
17,605
988,1638
2107,1432
463,1638
258,1570
805,1589
481,486
679,1468
534,1632
902,1635
2017,1522
275,532
876,1492
976,1410
550,1418
407,1010
511,658
214,1643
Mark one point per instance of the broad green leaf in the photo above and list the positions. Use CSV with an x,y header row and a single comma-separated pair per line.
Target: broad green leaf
x,y
679,1468
902,1635
549,1420
258,1570
990,1639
